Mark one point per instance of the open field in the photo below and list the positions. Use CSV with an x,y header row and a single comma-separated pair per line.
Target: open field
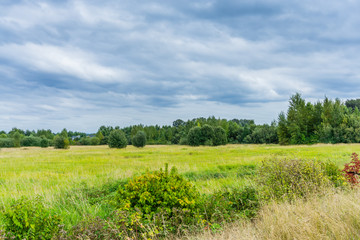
x,y
57,174
29,171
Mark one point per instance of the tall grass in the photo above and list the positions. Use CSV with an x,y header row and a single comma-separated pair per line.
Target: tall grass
x,y
332,216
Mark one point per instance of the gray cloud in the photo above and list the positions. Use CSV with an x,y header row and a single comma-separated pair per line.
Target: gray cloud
x,y
81,64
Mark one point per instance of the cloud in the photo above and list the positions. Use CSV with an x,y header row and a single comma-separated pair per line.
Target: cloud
x,y
66,63
61,60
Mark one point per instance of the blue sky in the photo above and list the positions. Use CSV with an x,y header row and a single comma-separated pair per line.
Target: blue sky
x,y
83,64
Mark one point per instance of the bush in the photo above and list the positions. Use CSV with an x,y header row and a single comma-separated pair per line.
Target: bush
x,y
207,135
285,179
352,170
44,143
139,140
153,191
219,136
161,198
230,204
29,219
61,142
94,141
194,136
31,141
117,139
6,142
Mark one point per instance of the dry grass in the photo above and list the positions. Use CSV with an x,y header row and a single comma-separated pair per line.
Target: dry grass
x,y
335,216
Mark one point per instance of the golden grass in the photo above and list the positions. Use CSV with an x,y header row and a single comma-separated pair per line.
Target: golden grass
x,y
334,216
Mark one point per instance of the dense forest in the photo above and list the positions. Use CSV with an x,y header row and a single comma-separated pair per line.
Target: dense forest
x,y
327,121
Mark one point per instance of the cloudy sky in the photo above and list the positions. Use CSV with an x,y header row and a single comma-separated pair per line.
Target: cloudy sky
x,y
82,64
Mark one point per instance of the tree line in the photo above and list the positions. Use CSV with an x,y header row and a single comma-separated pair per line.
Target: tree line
x,y
327,121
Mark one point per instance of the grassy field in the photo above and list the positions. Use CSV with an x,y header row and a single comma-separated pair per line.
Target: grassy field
x,y
54,173
29,171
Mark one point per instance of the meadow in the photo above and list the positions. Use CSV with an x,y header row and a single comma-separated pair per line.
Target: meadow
x,y
55,174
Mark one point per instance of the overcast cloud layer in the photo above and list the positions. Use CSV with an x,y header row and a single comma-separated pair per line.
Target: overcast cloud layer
x,y
83,64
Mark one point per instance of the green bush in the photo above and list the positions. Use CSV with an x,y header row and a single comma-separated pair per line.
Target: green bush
x,y
153,191
285,179
6,142
31,141
163,200
139,140
117,139
207,135
61,142
44,143
30,219
94,141
219,136
194,136
228,204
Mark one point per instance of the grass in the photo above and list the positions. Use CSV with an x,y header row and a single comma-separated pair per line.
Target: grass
x,y
334,216
61,176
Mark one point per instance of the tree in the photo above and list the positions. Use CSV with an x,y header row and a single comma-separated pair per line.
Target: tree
x,y
60,142
94,141
219,136
117,139
44,143
194,136
17,137
207,135
139,140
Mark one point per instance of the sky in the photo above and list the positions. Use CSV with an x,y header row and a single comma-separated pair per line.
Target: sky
x,y
82,64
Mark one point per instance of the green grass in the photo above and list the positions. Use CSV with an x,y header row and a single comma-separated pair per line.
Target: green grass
x,y
61,176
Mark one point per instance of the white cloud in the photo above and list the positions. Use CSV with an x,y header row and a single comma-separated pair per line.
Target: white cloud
x,y
62,60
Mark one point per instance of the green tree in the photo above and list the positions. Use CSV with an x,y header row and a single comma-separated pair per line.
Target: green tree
x,y
60,142
194,136
219,136
117,139
139,140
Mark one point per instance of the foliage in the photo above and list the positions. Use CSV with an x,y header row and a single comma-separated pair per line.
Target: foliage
x,y
139,140
31,141
194,136
289,179
352,170
44,143
117,139
229,204
17,138
159,196
219,136
161,189
6,142
30,219
60,142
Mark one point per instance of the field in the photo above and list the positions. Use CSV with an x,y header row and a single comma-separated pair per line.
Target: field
x,y
54,174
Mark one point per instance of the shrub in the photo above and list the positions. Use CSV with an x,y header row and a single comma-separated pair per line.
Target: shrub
x,y
139,140
160,189
6,142
61,142
29,219
161,198
207,135
117,139
352,170
44,143
94,141
219,136
194,136
229,204
31,141
17,138
285,179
